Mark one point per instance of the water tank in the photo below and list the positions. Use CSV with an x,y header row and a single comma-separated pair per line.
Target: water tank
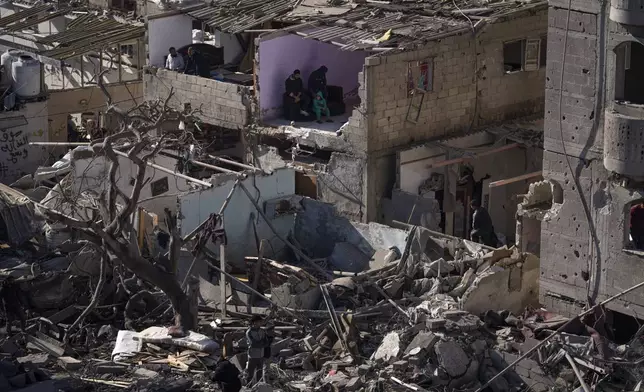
x,y
25,75
5,62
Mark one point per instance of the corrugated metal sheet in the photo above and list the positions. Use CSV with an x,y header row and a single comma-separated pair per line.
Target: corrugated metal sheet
x,y
93,44
18,16
360,28
236,16
89,33
33,22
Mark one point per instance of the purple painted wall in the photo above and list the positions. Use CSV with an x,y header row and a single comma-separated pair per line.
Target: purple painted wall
x,y
278,58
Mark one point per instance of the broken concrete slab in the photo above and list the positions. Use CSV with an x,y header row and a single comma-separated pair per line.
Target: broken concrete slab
x,y
347,257
69,363
145,373
38,359
452,358
389,349
422,344
45,345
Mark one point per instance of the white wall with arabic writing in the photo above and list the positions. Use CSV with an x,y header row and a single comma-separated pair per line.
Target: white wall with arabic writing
x,y
17,129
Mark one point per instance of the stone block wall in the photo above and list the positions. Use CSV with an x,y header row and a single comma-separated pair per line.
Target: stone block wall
x,y
583,247
464,68
222,104
468,77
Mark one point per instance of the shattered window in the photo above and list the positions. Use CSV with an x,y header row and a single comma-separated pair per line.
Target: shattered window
x,y
420,76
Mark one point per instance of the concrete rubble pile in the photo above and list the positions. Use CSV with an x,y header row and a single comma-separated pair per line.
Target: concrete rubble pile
x,y
433,313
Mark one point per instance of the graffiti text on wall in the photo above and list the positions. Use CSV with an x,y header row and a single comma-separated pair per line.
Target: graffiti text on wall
x,y
14,145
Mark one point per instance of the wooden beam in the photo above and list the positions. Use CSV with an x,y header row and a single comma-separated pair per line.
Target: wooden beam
x,y
475,156
515,179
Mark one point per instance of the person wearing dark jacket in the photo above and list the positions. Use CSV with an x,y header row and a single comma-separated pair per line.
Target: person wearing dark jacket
x,y
298,99
317,82
482,227
197,64
227,375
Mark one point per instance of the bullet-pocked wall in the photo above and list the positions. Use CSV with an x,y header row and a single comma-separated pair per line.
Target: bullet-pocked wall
x,y
593,150
472,81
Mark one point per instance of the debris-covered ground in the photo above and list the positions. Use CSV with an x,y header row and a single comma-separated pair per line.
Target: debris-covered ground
x,y
95,300
397,326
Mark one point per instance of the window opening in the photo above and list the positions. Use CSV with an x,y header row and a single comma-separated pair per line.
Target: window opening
x,y
513,53
420,75
629,81
127,50
543,52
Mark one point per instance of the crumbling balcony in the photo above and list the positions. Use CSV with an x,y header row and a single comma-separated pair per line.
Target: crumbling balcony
x,y
624,140
628,12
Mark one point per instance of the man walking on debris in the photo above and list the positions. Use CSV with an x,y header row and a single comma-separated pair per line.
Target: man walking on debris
x,y
482,227
227,374
259,345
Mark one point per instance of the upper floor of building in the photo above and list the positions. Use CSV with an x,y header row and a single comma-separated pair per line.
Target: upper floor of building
x,y
594,99
394,76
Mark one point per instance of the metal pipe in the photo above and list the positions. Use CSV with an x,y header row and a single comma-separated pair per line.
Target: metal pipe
x,y
281,238
213,167
515,179
577,372
152,165
557,332
166,170
200,227
197,229
233,163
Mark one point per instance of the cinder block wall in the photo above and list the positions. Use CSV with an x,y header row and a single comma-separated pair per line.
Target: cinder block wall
x,y
582,250
449,109
222,104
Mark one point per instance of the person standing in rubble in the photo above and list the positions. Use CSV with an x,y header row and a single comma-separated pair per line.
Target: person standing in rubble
x,y
482,227
227,375
259,345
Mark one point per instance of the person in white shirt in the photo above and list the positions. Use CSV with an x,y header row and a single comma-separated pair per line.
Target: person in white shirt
x,y
174,61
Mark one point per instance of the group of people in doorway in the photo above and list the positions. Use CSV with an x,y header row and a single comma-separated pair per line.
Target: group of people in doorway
x,y
300,98
196,63
259,339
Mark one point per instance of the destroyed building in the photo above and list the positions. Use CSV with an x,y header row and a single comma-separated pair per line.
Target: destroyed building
x,y
401,76
73,46
592,158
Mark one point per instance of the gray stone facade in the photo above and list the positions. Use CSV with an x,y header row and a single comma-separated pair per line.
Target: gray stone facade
x,y
593,142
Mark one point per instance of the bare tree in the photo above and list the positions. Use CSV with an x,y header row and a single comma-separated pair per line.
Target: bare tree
x,y
140,138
